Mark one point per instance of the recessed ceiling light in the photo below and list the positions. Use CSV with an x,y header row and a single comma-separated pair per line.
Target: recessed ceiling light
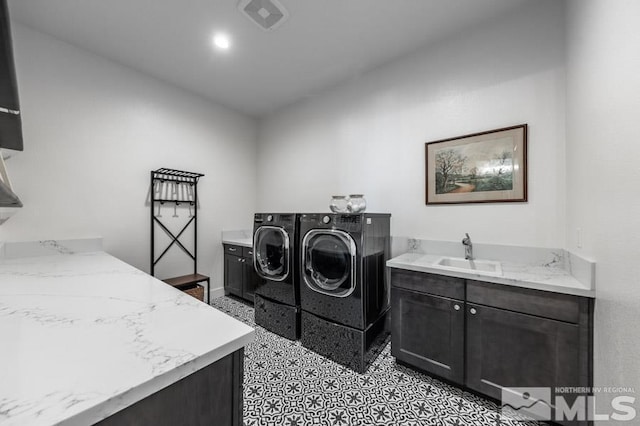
x,y
221,41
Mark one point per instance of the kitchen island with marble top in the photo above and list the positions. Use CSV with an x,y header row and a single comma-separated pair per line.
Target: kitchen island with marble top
x,y
88,339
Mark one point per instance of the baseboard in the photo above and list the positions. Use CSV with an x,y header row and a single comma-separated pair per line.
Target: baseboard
x,y
217,292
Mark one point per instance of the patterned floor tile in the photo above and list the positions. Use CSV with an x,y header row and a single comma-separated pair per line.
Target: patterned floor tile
x,y
286,384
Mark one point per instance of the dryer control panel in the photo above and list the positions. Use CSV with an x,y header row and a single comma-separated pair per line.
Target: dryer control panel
x,y
346,222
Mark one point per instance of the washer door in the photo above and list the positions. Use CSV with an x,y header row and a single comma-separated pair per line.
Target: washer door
x,y
271,253
329,262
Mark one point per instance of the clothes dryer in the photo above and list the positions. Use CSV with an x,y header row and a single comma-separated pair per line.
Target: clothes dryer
x,y
344,290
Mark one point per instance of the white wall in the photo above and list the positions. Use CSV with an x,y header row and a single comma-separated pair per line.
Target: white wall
x,y
93,131
603,175
368,135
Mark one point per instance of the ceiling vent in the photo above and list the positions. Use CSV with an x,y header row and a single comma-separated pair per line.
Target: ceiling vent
x,y
267,14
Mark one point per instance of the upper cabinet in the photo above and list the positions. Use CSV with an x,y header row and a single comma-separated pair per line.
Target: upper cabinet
x,y
10,121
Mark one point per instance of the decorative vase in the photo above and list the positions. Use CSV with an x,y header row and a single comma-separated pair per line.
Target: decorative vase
x,y
356,203
338,204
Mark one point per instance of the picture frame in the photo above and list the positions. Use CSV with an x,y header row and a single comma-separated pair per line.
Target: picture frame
x,y
485,167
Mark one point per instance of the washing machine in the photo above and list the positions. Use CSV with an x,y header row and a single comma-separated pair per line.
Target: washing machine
x,y
276,260
344,288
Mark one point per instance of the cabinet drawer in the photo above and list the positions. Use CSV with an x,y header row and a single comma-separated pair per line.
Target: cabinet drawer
x,y
561,307
231,249
422,282
247,251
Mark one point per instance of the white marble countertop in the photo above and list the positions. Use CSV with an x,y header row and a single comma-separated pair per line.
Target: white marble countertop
x,y
243,238
539,277
85,335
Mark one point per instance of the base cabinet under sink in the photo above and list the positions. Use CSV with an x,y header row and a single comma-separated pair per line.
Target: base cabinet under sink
x,y
510,349
501,337
428,332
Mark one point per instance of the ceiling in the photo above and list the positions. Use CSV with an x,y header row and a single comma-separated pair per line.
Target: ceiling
x,y
322,43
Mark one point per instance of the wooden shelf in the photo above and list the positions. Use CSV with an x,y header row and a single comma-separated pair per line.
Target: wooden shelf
x,y
186,280
186,283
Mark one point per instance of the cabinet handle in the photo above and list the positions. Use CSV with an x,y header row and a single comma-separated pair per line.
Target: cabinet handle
x,y
473,311
232,249
9,111
239,259
456,307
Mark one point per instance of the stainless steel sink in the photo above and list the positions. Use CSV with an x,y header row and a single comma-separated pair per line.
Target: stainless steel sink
x,y
486,267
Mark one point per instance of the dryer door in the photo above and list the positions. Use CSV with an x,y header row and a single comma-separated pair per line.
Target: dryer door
x,y
329,262
271,253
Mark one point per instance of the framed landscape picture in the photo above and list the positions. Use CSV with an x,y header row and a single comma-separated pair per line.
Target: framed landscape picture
x,y
487,167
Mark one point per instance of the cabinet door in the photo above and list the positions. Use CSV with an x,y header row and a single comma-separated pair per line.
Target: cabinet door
x,y
510,349
428,332
233,274
251,279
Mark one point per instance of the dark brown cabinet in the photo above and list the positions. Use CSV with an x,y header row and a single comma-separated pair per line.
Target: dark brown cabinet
x,y
487,336
240,279
233,270
520,337
209,396
428,332
510,349
250,278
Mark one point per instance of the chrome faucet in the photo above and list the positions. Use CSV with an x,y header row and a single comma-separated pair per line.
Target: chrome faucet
x,y
468,247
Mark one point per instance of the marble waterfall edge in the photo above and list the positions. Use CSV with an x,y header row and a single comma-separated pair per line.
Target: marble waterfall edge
x,y
86,335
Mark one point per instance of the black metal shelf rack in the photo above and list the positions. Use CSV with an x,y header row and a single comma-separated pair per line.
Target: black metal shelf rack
x,y
179,187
